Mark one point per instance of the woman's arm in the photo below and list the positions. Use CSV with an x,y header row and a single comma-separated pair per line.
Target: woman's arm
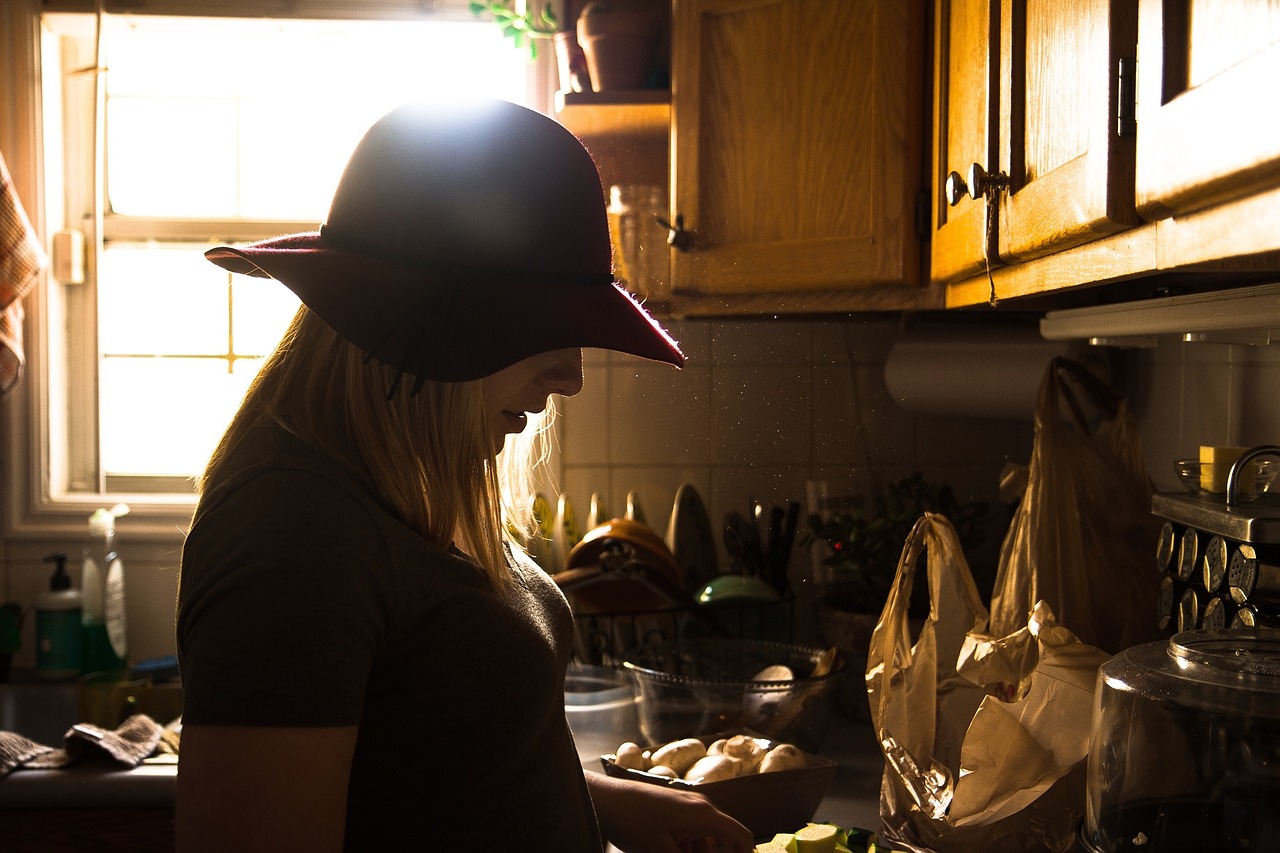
x,y
639,818
249,788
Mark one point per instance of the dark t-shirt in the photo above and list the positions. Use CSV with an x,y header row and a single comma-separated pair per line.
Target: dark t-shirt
x,y
304,603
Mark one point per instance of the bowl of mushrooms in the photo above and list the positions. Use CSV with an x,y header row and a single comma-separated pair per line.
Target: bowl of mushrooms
x,y
767,785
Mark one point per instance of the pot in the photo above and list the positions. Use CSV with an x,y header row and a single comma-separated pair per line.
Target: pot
x,y
620,39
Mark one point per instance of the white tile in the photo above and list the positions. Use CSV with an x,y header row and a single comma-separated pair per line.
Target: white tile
x,y
694,338
658,415
967,441
584,423
761,415
853,418
1261,403
761,342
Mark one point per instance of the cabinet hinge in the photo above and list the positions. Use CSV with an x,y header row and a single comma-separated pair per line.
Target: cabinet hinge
x,y
922,214
1126,97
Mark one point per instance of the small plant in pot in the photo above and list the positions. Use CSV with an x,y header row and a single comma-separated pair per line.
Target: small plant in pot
x,y
862,543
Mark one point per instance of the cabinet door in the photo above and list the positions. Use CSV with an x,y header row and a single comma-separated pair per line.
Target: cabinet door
x,y
1070,171
796,145
965,109
1208,112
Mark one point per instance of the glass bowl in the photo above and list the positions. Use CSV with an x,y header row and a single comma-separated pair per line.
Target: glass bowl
x,y
1255,479
694,687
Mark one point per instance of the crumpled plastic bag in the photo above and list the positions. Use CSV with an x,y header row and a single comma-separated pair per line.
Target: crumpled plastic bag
x,y
985,737
1082,536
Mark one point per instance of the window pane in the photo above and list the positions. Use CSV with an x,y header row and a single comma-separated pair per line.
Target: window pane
x,y
172,157
164,416
261,308
216,118
161,300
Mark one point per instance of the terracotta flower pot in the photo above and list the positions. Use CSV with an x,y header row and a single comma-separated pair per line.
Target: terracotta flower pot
x,y
620,40
571,63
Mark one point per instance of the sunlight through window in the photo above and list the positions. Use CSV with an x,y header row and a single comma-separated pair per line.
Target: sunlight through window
x,y
227,130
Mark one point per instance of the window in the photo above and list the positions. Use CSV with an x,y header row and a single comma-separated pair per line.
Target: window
x,y
211,130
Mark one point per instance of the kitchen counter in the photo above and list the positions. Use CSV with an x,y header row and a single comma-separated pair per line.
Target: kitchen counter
x,y
143,796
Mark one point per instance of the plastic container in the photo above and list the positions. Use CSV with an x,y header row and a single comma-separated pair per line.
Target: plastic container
x,y
600,704
58,625
103,647
694,687
1185,752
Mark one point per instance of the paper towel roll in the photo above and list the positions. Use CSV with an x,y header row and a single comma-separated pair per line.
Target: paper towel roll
x,y
976,373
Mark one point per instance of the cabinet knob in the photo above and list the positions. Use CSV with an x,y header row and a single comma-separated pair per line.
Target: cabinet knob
x,y
677,236
980,184
956,188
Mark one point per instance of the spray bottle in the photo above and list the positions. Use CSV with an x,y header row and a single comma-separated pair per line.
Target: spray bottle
x,y
103,645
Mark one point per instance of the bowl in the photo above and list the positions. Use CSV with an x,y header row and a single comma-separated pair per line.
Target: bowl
x,y
765,803
1254,479
600,706
726,588
698,686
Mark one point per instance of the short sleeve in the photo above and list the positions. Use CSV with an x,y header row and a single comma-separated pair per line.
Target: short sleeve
x,y
281,605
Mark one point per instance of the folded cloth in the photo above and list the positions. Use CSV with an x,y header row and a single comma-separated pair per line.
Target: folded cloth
x,y
137,738
16,751
21,259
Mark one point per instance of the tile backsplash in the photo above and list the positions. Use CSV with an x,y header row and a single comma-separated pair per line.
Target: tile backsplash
x,y
765,406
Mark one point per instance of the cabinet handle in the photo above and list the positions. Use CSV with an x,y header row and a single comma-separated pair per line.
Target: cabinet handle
x,y
981,183
676,235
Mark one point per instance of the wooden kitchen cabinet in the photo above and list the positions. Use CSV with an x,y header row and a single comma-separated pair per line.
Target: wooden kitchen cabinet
x,y
796,155
1138,139
1029,91
793,154
1207,106
966,108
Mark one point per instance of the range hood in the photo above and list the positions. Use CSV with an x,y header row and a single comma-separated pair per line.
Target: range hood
x,y
1249,315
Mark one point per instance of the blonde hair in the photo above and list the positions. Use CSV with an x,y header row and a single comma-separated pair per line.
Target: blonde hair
x,y
425,456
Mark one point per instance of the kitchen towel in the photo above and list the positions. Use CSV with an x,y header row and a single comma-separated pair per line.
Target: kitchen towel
x,y
21,260
137,738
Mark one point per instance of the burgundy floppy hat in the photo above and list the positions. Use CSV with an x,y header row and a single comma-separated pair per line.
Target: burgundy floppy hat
x,y
461,240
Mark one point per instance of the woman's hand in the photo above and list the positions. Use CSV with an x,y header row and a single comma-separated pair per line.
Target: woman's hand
x,y
637,817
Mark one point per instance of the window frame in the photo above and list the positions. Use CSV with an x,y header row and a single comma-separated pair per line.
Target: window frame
x,y
36,504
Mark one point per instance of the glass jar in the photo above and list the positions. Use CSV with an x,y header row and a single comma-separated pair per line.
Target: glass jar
x,y
1185,751
640,252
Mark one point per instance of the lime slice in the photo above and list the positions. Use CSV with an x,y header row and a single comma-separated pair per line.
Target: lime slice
x,y
816,838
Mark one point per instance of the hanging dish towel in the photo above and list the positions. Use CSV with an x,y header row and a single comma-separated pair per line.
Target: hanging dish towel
x,y
21,260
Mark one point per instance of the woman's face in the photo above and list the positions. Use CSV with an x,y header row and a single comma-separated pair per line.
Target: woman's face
x,y
513,392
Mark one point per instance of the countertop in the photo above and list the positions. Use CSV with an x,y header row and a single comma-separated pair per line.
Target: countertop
x,y
851,800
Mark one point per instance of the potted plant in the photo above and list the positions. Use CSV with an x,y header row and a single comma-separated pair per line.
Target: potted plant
x,y
522,21
862,543
10,635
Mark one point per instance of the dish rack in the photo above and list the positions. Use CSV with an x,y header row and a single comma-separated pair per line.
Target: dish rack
x,y
607,638
1219,558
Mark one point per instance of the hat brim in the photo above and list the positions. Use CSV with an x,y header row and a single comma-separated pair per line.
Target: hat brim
x,y
450,327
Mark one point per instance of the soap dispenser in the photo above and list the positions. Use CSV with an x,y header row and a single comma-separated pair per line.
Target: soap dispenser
x,y
58,625
103,646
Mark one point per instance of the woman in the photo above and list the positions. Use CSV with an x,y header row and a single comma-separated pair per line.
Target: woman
x,y
367,661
